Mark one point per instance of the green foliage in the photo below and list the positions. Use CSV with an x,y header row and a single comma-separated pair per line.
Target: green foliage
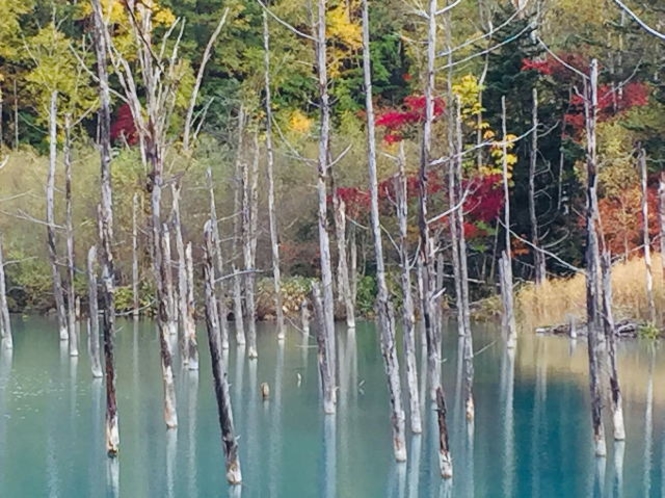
x,y
366,295
649,331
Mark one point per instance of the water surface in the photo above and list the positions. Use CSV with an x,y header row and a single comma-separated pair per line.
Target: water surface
x,y
531,434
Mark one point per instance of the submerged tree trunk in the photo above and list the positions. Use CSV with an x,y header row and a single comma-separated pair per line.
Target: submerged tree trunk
x,y
221,386
344,287
445,459
325,345
50,220
183,292
172,314
93,321
593,287
69,227
249,223
408,312
238,231
135,257
646,238
192,350
106,231
270,166
5,324
384,311
539,262
506,264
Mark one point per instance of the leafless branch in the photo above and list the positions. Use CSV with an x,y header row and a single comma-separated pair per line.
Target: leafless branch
x,y
639,21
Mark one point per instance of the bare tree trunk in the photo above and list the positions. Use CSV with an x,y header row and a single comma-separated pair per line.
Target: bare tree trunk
x,y
248,248
106,231
408,313
5,324
183,294
16,127
445,459
539,261
238,231
353,264
646,238
221,386
593,288
323,167
192,350
69,227
135,257
219,260
270,166
326,367
661,219
50,219
172,319
506,264
93,321
344,289
385,315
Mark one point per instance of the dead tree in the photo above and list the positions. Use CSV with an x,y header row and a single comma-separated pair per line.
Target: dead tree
x,y
238,313
69,229
106,230
135,257
661,220
270,166
593,287
5,324
50,219
506,265
249,231
384,310
646,239
445,459
191,349
408,312
183,293
325,345
539,262
221,386
172,319
93,320
344,281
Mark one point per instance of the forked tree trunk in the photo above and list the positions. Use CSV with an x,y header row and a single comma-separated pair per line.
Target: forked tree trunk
x,y
539,262
135,257
646,237
326,367
270,166
5,324
106,231
506,264
93,320
219,261
69,227
593,287
384,310
445,459
172,314
192,350
50,219
344,287
408,312
219,369
321,41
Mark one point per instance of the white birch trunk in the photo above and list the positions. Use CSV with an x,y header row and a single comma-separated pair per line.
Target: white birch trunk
x,y
385,316
50,219
93,321
5,324
270,166
69,227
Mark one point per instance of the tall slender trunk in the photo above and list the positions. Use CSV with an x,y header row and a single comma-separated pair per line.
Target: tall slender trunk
x,y
192,350
106,231
169,291
50,219
344,287
16,126
249,224
322,170
539,261
646,237
69,227
219,369
183,292
506,264
93,320
135,257
661,220
270,166
445,461
5,324
385,312
325,357
593,287
222,309
408,313
238,207
353,263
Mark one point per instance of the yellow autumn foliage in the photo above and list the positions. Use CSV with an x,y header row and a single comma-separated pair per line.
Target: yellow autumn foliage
x,y
299,123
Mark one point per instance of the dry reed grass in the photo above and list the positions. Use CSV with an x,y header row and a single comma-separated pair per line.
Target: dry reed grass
x,y
559,300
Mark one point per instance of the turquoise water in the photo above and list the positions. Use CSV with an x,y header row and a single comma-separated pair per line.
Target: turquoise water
x,y
531,434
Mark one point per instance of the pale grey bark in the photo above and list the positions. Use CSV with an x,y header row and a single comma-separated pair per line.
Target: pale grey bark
x,y
5,324
69,229
182,272
384,311
270,166
325,345
219,368
135,257
661,220
506,264
172,314
192,350
106,229
445,458
353,264
593,287
538,256
16,126
344,287
250,225
50,219
408,312
238,230
93,320
646,239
